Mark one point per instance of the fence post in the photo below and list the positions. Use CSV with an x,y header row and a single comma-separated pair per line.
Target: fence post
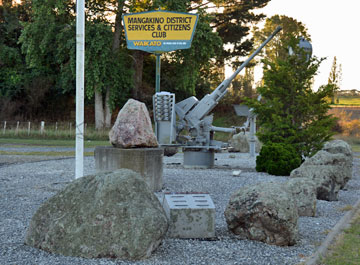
x,y
70,128
29,124
42,127
4,127
85,128
17,128
56,126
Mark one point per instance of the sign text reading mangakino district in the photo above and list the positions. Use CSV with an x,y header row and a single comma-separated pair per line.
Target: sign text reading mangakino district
x,y
159,31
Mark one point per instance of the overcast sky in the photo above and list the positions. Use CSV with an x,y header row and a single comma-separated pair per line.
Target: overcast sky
x,y
334,27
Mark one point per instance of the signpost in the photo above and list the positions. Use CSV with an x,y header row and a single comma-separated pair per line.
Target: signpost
x,y
159,31
80,62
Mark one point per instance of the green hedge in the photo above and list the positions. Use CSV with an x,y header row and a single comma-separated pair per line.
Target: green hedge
x,y
277,159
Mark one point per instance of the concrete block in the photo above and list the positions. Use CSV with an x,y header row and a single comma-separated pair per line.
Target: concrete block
x,y
148,162
190,215
194,158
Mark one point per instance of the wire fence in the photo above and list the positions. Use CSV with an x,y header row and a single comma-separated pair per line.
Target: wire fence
x,y
49,129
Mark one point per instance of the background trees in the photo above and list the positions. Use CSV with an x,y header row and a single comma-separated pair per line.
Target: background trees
x,y
13,72
49,44
290,28
233,26
37,55
244,84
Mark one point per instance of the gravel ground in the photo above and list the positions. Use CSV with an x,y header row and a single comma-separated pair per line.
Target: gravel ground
x,y
26,185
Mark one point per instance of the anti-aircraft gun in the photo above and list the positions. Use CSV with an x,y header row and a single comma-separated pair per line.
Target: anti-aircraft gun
x,y
192,116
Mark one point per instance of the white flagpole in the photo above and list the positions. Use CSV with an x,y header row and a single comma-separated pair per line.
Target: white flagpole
x,y
80,62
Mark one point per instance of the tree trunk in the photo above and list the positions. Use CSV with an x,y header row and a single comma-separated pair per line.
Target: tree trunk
x,y
99,111
118,27
108,111
138,67
115,49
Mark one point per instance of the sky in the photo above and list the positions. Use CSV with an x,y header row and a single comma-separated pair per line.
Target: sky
x,y
334,27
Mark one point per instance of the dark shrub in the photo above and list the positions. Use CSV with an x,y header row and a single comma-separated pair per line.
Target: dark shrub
x,y
277,159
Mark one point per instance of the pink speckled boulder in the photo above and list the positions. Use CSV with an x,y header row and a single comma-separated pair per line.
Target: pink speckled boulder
x,y
132,127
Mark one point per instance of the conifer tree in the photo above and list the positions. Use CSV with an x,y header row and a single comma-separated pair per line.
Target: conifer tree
x,y
290,111
335,77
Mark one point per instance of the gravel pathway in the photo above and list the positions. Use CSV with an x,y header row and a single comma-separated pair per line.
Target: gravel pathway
x,y
24,186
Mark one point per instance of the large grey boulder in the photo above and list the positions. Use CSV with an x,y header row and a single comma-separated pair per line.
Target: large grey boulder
x,y
338,146
303,191
112,214
338,162
241,143
133,127
327,188
329,171
265,212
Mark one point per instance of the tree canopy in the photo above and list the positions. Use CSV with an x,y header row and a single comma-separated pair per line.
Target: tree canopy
x,y
290,28
37,54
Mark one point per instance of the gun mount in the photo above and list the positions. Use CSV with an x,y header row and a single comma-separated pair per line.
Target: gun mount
x,y
188,123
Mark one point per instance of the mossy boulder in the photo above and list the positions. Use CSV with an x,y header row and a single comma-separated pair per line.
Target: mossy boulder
x,y
330,172
112,214
264,212
304,194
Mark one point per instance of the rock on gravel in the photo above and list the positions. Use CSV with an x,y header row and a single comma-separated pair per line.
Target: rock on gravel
x,y
265,212
329,171
24,187
304,194
103,215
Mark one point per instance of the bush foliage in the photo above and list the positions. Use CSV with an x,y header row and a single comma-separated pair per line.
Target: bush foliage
x,y
277,159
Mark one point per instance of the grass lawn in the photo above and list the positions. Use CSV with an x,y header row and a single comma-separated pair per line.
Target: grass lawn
x,y
355,101
346,250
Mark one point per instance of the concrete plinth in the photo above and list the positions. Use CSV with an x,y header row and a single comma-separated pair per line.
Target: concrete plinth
x,y
198,158
148,162
190,215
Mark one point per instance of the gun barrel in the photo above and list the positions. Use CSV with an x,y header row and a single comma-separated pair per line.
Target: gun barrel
x,y
204,106
255,53
224,85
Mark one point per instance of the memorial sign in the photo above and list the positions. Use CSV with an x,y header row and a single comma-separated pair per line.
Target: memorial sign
x,y
159,31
